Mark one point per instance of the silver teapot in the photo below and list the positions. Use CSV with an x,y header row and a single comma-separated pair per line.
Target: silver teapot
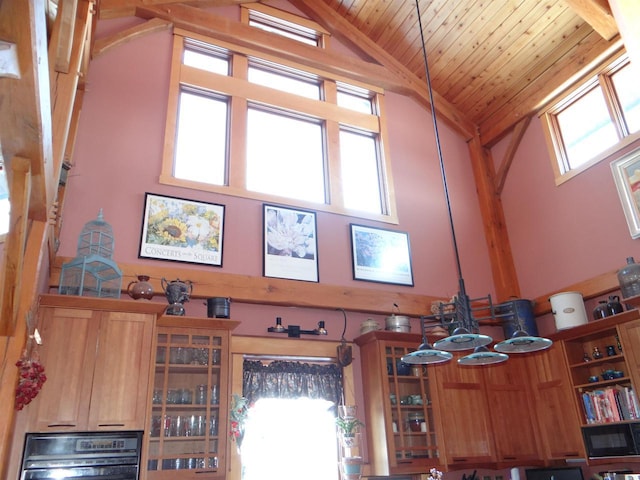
x,y
177,293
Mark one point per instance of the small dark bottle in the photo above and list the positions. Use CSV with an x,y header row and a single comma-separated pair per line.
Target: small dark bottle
x,y
596,353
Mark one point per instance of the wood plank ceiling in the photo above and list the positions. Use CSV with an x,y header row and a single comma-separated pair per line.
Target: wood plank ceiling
x,y
494,61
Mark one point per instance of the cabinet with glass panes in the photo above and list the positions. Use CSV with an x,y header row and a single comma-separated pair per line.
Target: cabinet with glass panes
x,y
188,411
401,423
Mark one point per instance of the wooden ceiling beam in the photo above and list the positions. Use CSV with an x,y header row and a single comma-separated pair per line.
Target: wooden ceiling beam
x,y
596,13
25,102
62,37
344,31
590,53
518,133
127,8
106,43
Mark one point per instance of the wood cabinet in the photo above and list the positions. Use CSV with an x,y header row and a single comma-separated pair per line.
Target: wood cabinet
x,y
97,356
486,411
189,402
401,412
552,405
495,416
592,352
510,401
468,436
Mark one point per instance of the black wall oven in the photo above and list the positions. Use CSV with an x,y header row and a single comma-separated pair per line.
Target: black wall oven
x,y
87,456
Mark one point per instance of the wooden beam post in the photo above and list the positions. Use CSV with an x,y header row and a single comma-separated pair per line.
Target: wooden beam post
x,y
19,191
495,231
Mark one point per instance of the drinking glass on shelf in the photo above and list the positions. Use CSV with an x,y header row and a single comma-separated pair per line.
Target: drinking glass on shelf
x,y
213,426
214,395
155,426
167,426
201,394
186,396
200,356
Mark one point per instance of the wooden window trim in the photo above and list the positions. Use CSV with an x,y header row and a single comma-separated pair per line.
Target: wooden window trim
x,y
600,78
241,91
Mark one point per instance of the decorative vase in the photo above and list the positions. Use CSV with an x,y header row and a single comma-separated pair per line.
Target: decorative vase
x,y
177,293
140,288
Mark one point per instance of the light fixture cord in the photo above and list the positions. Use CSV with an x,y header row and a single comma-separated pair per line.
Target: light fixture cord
x,y
439,149
344,329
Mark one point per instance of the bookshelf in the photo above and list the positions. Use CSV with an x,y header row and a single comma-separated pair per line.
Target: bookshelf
x,y
600,357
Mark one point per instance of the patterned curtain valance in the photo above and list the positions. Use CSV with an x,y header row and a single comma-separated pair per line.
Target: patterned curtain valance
x,y
285,379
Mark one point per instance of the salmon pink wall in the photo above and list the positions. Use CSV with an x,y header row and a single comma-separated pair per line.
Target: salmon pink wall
x,y
118,158
561,235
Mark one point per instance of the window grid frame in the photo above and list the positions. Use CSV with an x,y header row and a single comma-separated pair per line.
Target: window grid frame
x,y
557,151
239,99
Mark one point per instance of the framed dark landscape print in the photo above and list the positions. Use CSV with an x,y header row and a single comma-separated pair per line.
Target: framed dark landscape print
x,y
381,255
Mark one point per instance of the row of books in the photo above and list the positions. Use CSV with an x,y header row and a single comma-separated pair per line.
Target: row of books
x,y
611,404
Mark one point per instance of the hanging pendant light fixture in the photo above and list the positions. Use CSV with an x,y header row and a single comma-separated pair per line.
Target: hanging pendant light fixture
x,y
522,342
425,353
458,314
483,356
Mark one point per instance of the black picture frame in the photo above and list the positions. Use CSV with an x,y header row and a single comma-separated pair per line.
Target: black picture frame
x,y
381,255
181,230
290,243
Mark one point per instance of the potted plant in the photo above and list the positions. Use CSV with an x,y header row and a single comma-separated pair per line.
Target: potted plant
x,y
348,429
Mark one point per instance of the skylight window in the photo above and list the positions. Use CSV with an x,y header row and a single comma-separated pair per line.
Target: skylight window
x,y
593,121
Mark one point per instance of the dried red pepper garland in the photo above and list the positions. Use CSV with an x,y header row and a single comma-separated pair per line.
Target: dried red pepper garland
x,y
31,379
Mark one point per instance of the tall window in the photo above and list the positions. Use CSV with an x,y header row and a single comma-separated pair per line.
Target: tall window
x,y
290,432
594,120
247,124
290,439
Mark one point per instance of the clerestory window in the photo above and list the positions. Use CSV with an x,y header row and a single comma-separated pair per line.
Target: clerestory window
x,y
595,120
247,124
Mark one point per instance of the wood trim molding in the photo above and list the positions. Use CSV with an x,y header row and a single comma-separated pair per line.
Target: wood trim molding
x,y
105,44
274,291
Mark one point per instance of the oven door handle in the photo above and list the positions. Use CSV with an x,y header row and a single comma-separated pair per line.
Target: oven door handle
x,y
84,473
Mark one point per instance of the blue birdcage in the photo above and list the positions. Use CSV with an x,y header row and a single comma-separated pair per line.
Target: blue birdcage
x,y
92,273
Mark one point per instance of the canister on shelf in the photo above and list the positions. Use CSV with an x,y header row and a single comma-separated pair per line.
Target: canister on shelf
x,y
416,419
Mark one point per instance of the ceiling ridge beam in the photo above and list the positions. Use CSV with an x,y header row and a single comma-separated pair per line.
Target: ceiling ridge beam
x,y
354,38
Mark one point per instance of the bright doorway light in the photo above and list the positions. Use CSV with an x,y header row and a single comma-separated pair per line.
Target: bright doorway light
x,y
290,439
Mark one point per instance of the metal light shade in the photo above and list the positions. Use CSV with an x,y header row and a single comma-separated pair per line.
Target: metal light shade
x,y
426,354
483,356
522,342
462,339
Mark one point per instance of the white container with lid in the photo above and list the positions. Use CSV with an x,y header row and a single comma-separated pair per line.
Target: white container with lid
x,y
369,325
568,310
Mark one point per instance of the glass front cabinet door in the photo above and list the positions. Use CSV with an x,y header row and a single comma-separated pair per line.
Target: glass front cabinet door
x,y
189,399
401,423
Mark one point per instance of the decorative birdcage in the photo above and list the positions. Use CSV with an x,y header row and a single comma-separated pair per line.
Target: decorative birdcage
x,y
92,273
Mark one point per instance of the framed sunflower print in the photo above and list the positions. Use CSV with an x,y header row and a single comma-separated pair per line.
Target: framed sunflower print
x,y
182,230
